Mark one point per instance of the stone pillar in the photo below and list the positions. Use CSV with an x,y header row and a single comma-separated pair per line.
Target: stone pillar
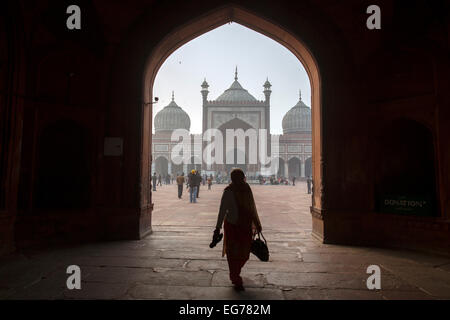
x,y
169,168
302,168
286,169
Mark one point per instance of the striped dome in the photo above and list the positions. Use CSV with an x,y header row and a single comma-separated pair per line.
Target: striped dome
x,y
298,119
172,117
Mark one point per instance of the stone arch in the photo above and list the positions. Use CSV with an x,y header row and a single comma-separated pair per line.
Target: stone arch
x,y
162,45
161,165
235,13
294,167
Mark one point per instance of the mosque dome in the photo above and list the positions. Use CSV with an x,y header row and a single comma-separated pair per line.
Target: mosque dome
x,y
172,117
298,119
236,93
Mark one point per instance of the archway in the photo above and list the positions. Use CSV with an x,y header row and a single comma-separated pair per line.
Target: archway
x,y
161,166
209,22
294,167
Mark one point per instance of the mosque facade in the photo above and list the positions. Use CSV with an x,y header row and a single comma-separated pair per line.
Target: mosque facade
x,y
235,109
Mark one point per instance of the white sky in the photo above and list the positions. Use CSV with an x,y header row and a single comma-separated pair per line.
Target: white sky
x,y
214,56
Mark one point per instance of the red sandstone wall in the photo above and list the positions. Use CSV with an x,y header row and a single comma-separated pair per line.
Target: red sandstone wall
x,y
368,79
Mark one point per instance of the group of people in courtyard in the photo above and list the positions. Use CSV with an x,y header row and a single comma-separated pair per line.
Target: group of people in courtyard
x,y
237,214
194,180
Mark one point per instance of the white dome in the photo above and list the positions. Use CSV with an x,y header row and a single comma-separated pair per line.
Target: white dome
x,y
172,117
236,93
298,119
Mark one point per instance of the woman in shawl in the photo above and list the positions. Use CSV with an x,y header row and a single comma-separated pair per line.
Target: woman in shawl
x,y
240,218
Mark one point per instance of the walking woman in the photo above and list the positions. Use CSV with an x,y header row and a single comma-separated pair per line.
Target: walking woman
x,y
240,219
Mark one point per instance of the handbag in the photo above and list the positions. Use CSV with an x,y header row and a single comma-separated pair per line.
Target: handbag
x,y
259,248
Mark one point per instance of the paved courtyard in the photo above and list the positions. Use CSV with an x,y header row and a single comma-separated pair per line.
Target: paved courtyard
x,y
175,262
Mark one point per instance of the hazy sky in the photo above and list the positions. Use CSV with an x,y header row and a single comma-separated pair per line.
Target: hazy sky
x,y
215,55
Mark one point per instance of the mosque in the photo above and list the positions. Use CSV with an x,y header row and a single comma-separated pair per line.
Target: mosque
x,y
235,109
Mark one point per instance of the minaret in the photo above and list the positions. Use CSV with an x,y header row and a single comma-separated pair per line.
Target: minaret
x,y
205,91
267,93
267,90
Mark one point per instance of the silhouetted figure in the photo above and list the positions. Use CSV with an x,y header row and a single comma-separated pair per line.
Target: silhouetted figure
x,y
192,187
293,181
309,183
154,181
240,218
180,184
209,182
159,181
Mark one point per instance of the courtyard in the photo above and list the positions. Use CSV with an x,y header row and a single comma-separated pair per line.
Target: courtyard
x,y
175,261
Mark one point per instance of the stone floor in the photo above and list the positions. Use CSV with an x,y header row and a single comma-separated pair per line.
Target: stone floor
x,y
175,262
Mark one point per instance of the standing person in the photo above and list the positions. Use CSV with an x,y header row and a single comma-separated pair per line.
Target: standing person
x,y
180,184
154,181
192,187
308,183
293,181
240,218
159,180
209,182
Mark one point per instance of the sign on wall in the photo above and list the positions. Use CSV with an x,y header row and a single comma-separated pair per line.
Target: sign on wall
x,y
407,205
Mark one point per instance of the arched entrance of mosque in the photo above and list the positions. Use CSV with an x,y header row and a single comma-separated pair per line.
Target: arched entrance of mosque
x,y
238,157
294,167
161,166
216,19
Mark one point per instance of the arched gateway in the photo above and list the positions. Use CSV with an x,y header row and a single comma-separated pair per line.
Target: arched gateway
x,y
207,23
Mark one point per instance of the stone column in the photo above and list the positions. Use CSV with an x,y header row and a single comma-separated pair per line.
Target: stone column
x,y
286,169
302,168
169,168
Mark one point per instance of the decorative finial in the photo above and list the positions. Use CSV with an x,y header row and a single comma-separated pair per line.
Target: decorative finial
x,y
236,74
300,92
173,96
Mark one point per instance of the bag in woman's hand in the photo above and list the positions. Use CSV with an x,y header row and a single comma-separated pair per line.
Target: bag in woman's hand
x,y
259,248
